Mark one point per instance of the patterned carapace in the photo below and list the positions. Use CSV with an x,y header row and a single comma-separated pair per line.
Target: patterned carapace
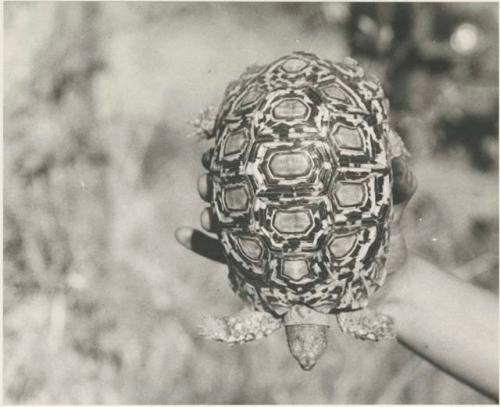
x,y
302,184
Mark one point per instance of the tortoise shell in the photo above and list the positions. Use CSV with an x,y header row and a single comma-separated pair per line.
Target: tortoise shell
x,y
302,184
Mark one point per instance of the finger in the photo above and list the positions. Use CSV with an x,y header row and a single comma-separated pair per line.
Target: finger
x,y
405,188
200,243
405,183
205,187
206,158
399,167
207,220
398,212
398,251
405,194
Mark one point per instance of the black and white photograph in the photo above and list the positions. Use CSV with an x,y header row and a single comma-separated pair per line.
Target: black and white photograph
x,y
250,203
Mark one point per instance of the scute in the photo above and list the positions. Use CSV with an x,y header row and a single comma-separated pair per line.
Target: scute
x,y
292,222
295,269
251,248
235,143
348,137
334,92
350,194
236,198
303,192
290,109
250,97
342,245
294,65
290,164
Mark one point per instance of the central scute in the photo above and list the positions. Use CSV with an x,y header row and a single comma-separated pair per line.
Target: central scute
x,y
302,185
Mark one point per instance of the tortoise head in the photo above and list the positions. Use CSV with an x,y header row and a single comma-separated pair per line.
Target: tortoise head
x,y
307,343
306,332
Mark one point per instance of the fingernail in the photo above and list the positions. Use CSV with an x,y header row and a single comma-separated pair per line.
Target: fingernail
x,y
206,158
183,236
203,185
206,219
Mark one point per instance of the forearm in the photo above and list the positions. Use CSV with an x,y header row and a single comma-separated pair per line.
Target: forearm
x,y
447,321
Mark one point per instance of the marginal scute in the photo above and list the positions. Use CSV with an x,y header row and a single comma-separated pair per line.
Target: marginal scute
x,y
290,109
288,164
292,221
334,92
236,198
350,194
251,247
250,97
294,65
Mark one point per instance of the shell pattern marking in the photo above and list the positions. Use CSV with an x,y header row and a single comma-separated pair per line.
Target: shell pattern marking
x,y
302,184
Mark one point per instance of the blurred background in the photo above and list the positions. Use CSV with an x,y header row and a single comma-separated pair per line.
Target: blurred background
x,y
100,303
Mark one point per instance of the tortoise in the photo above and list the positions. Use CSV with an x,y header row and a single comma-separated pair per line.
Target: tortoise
x,y
301,193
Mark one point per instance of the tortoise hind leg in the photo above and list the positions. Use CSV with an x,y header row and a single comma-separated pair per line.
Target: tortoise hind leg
x,y
367,324
245,326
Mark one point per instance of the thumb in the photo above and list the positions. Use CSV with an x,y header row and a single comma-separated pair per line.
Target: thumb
x,y
404,186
